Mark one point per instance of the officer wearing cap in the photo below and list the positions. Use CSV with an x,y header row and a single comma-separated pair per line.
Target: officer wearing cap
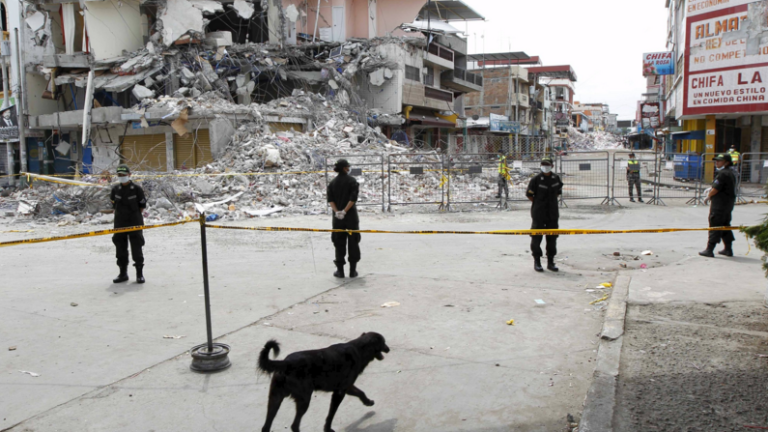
x,y
723,197
342,197
544,191
128,200
633,178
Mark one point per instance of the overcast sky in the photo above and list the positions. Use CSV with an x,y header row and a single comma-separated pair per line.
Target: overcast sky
x,y
603,40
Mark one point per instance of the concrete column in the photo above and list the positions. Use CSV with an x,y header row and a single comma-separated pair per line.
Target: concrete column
x,y
274,22
709,147
169,153
6,88
9,162
755,142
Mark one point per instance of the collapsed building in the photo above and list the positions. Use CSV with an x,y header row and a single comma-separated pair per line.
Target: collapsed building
x,y
165,85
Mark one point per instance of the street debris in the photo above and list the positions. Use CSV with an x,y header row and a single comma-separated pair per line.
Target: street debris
x,y
12,348
173,337
73,304
646,252
30,373
540,302
511,322
600,300
390,304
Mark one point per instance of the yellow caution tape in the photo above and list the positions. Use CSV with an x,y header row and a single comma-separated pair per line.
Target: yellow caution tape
x,y
16,231
499,232
94,233
752,202
443,181
603,298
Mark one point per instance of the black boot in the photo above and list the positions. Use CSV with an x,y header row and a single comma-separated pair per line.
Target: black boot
x,y
139,273
537,264
727,250
551,264
631,199
123,276
709,251
641,200
353,270
339,271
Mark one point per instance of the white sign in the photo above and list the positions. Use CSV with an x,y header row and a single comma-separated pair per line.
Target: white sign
x,y
734,87
721,42
698,7
765,164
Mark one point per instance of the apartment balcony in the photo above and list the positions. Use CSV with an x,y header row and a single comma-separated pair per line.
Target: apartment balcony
x,y
419,95
458,45
461,80
440,56
518,72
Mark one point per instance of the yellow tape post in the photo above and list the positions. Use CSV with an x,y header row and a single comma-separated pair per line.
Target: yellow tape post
x,y
93,233
499,232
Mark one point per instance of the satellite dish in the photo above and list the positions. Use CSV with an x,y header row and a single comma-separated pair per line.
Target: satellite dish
x,y
475,117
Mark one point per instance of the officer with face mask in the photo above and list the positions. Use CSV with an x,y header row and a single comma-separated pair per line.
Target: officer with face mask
x,y
723,198
544,192
128,201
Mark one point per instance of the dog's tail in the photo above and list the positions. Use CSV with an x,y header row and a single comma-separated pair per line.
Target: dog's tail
x,y
267,365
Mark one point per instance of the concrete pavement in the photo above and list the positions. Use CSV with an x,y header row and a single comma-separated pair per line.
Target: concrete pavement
x,y
104,364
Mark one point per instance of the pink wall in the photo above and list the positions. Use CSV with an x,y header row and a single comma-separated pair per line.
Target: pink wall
x,y
390,14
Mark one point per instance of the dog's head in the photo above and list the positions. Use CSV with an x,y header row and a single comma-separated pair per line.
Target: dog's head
x,y
376,343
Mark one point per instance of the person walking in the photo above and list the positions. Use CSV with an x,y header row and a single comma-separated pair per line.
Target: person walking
x,y
342,197
722,195
633,178
544,191
128,200
503,175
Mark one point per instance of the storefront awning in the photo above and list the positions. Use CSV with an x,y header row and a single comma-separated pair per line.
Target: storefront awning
x,y
689,135
425,118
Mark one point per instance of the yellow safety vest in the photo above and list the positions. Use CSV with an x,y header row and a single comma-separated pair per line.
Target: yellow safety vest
x,y
735,156
503,165
634,166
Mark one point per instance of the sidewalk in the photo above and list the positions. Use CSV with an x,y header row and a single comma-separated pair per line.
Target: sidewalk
x,y
695,347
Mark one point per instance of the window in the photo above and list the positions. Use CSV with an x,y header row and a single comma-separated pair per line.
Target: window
x,y
430,78
412,73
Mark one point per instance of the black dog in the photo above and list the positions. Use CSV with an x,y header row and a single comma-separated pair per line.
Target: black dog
x,y
333,369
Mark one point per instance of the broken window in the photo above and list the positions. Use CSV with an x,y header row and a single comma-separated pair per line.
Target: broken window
x,y
254,29
429,79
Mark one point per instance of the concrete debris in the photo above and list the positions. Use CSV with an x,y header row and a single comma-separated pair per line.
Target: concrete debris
x,y
593,140
180,17
140,92
245,9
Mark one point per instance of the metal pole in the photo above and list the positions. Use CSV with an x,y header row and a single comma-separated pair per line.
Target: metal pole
x,y
205,283
20,111
383,203
208,357
317,20
389,181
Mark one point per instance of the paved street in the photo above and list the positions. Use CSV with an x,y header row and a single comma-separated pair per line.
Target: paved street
x,y
455,364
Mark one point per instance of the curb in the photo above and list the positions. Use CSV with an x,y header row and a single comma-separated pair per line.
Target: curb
x,y
601,396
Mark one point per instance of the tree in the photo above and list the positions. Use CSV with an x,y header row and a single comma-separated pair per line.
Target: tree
x,y
759,233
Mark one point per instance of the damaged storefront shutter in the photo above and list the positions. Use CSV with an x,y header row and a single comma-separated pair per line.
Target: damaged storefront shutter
x,y
3,159
144,152
190,152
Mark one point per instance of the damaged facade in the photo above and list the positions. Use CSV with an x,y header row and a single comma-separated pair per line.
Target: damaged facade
x,y
164,85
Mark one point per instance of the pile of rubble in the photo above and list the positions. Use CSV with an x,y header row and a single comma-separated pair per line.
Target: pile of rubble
x,y
259,173
593,140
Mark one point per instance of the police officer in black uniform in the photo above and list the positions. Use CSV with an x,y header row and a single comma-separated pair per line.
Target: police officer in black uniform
x,y
544,191
342,197
723,198
128,201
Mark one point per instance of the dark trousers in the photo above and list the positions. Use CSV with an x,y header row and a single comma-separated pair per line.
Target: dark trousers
x,y
720,219
121,240
635,181
503,185
343,242
551,239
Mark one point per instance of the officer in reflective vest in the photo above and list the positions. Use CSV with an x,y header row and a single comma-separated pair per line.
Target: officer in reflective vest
x,y
503,175
735,156
633,178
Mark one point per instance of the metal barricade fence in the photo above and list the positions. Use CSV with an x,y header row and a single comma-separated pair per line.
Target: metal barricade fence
x,y
416,179
369,172
620,178
678,176
752,175
585,175
473,178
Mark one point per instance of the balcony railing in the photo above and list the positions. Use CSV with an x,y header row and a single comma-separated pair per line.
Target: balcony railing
x,y
441,51
438,94
463,75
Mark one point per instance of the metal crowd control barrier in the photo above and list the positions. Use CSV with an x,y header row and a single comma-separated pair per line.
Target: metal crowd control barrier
x,y
620,178
473,178
752,175
369,172
678,176
421,175
585,175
